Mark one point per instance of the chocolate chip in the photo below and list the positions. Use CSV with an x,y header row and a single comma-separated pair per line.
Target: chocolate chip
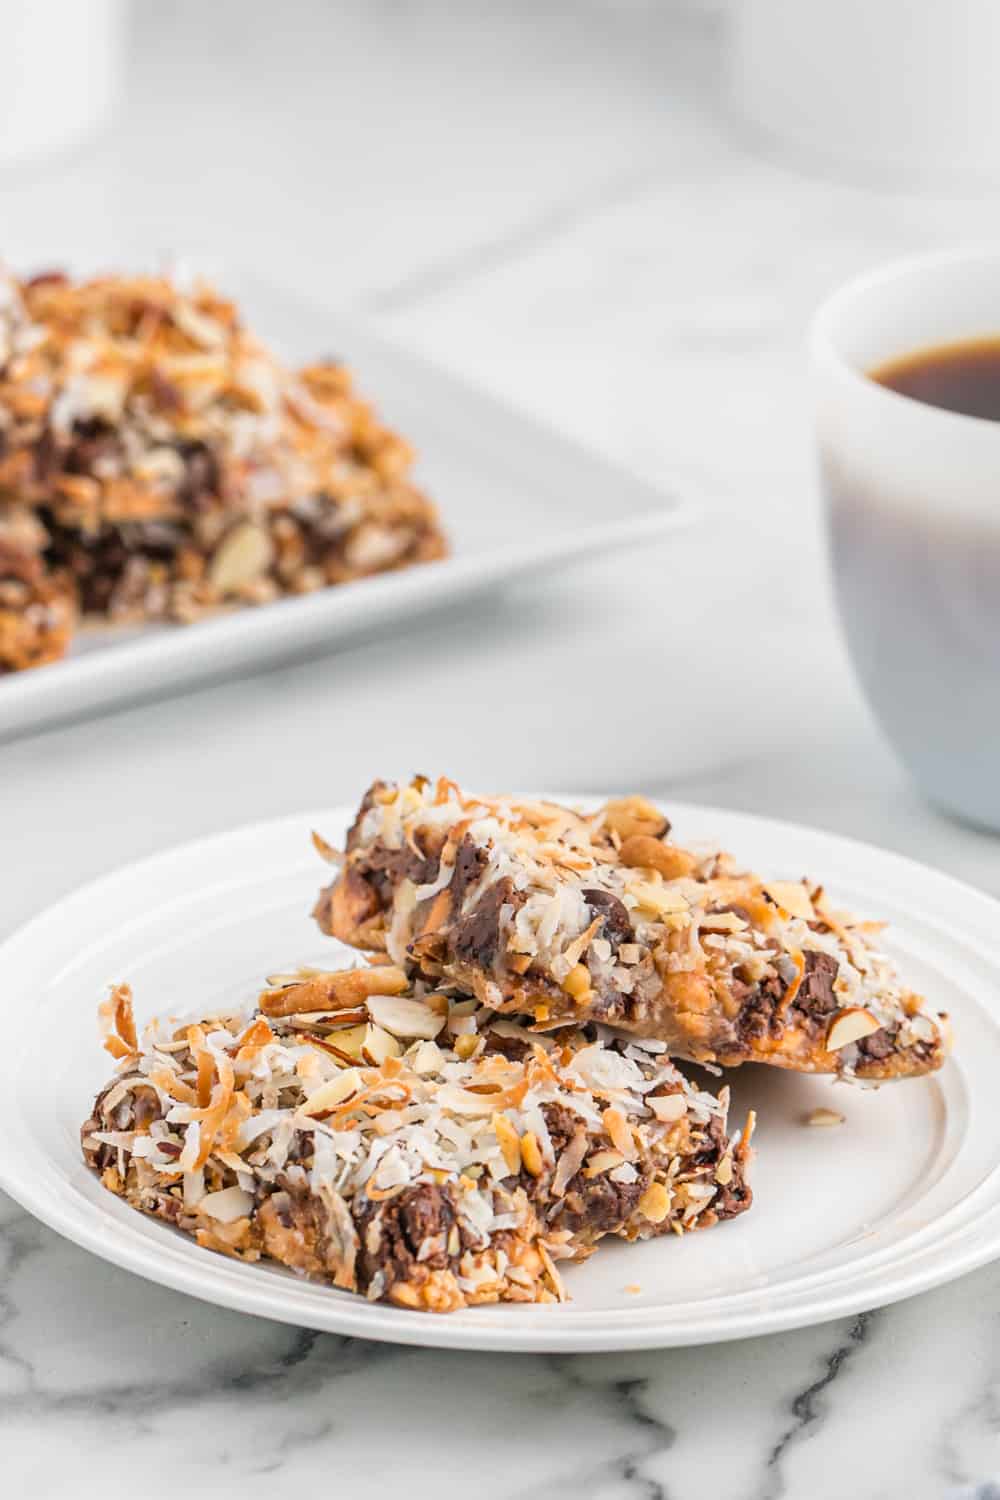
x,y
816,990
616,928
202,479
476,937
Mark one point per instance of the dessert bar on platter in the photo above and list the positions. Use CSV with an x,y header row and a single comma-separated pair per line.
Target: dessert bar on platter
x,y
159,463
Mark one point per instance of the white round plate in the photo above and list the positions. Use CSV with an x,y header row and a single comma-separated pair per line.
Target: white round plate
x,y
902,1196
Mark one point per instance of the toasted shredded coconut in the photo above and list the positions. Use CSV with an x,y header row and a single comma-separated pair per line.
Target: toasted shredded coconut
x,y
158,462
260,1137
534,907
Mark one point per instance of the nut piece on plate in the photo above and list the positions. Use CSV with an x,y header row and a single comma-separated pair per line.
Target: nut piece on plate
x,y
825,1117
546,911
395,1159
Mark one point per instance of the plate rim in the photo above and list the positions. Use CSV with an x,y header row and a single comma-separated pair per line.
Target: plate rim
x,y
83,1223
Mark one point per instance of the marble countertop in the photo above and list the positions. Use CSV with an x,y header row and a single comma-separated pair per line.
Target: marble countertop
x,y
551,201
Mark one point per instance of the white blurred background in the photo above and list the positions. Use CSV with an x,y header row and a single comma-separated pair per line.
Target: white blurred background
x,y
558,202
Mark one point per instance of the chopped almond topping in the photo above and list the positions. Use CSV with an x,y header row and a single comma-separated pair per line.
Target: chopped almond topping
x,y
531,1154
824,1117
667,1107
849,1026
509,1143
616,1125
577,983
654,1204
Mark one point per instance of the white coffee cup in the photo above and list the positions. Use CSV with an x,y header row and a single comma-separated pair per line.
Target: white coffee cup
x,y
913,507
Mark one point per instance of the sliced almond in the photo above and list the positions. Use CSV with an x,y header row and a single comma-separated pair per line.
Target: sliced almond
x,y
641,851
340,990
825,1117
426,1058
724,1171
294,976
332,1093
227,1205
654,1204
509,1143
461,1025
459,1101
377,1044
661,900
577,983
348,1042
602,1161
463,1008
722,921
849,1026
618,1130
667,1107
531,1154
569,1163
404,1017
791,896
511,1030
243,555
330,1023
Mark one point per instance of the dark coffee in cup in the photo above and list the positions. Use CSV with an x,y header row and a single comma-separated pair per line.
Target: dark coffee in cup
x,y
962,377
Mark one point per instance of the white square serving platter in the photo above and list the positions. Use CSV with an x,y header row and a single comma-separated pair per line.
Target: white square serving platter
x,y
515,498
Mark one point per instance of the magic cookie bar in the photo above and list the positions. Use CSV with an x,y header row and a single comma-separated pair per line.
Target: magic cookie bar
x,y
560,915
404,1143
177,467
37,610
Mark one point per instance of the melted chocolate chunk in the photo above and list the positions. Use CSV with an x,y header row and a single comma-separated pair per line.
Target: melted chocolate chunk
x,y
476,937
758,1015
877,1046
92,440
470,862
616,927
414,1216
386,868
202,479
595,1203
815,993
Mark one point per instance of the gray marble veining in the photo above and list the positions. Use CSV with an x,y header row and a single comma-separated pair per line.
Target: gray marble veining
x,y
104,1376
